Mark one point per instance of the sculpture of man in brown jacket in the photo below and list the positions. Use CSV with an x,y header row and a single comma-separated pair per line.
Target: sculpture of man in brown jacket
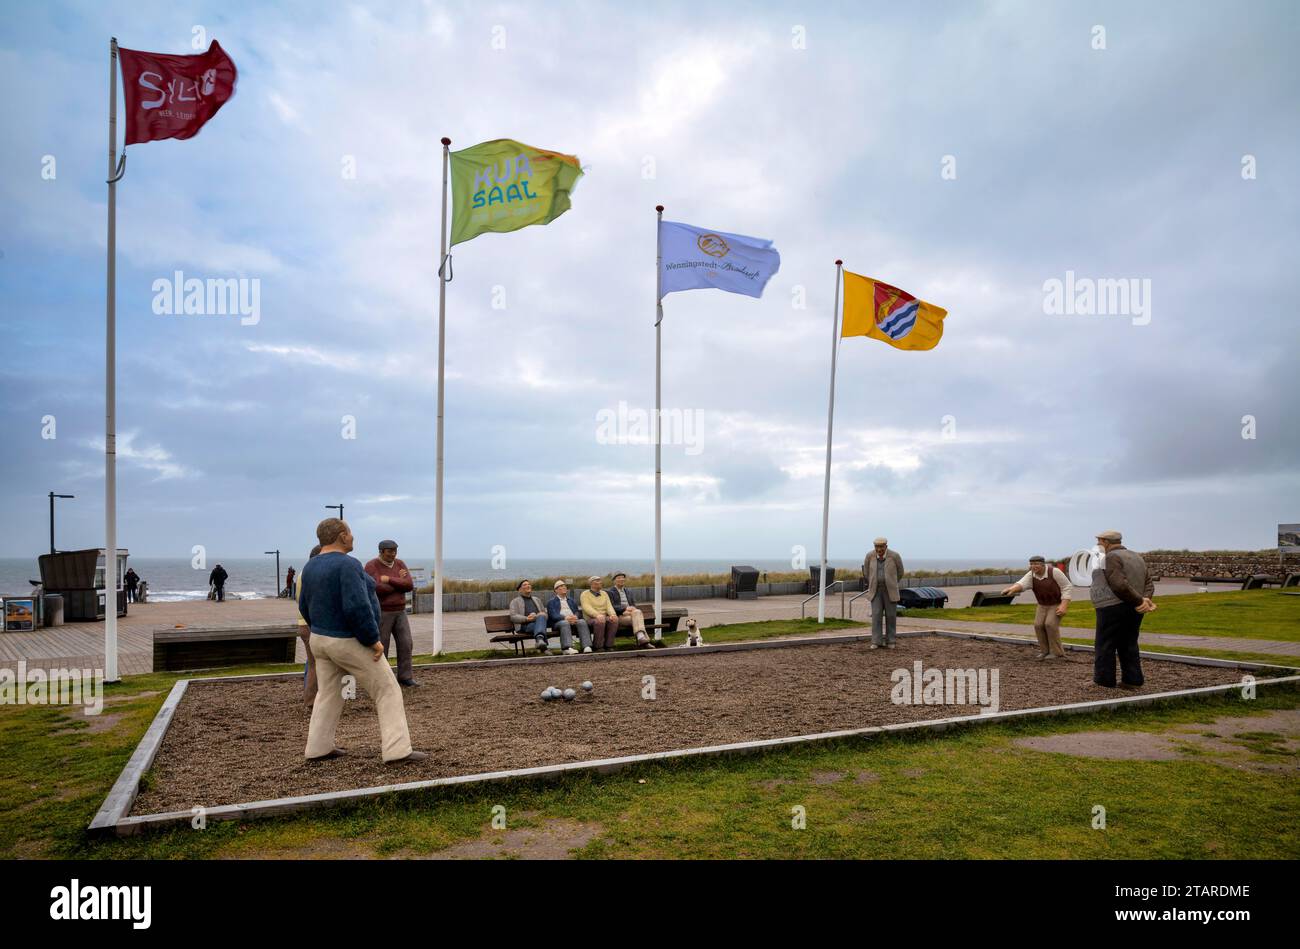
x,y
883,569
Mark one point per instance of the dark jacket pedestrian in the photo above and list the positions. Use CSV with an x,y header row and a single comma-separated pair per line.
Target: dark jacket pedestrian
x,y
217,580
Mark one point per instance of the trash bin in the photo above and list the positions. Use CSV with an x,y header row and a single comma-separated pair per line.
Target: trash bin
x,y
744,582
53,609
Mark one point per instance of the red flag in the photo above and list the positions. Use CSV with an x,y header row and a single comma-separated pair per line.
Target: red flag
x,y
172,96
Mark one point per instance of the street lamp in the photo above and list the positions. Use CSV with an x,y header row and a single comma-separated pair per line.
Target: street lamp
x,y
277,569
52,497
335,507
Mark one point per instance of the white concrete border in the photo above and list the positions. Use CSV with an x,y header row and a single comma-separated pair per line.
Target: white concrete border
x,y
114,814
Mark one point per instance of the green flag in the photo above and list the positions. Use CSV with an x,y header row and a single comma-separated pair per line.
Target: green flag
x,y
504,185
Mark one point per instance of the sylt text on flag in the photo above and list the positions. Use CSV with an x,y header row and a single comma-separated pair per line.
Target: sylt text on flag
x,y
173,96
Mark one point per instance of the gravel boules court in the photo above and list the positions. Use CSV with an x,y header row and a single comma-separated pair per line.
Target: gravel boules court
x,y
241,741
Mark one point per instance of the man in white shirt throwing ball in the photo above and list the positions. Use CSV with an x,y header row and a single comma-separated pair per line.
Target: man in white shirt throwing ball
x,y
1052,590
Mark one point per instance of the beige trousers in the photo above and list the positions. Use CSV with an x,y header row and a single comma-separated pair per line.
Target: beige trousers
x,y
1047,627
335,658
309,680
635,618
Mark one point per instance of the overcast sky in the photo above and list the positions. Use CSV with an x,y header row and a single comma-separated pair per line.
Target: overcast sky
x,y
826,129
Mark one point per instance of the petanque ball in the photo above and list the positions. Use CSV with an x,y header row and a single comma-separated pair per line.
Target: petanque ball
x,y
587,686
546,695
569,695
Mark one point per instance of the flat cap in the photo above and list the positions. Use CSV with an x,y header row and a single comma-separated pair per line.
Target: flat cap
x,y
593,579
559,583
388,545
1037,558
1113,536
881,540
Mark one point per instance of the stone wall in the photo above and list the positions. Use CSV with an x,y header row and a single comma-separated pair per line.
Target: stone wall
x,y
1221,565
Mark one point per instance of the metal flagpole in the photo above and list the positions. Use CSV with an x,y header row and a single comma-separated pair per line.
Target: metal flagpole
x,y
830,421
659,318
442,339
110,385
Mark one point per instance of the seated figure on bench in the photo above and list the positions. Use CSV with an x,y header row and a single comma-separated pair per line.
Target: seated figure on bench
x,y
626,608
528,614
565,616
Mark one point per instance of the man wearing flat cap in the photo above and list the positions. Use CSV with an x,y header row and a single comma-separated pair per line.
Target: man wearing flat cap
x,y
629,614
392,583
883,570
1052,590
565,615
1121,593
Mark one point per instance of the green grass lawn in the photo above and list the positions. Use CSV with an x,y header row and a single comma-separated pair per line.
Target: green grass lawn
x,y
1244,614
964,793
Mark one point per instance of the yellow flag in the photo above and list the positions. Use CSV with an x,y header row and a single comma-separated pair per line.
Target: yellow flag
x,y
891,315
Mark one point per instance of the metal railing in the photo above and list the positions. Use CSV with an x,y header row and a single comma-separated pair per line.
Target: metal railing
x,y
830,586
851,601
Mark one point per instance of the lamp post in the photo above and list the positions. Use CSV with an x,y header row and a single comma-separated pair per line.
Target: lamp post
x,y
335,507
52,497
277,569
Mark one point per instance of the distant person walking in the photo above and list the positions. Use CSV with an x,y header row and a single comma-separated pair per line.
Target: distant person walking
x,y
392,583
338,602
217,583
288,583
883,569
132,580
1052,590
304,633
1121,593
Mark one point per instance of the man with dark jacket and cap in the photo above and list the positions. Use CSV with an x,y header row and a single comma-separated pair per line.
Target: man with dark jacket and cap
x,y
217,580
392,583
1121,593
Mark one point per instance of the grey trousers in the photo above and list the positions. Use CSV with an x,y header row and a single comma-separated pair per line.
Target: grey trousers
x,y
566,633
883,608
395,625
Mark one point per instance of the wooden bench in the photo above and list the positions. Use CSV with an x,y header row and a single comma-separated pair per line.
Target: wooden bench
x,y
209,647
673,615
500,629
1254,582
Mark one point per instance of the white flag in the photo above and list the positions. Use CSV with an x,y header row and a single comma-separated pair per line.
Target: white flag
x,y
695,258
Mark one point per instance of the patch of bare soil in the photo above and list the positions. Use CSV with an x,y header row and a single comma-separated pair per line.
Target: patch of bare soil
x,y
554,840
243,741
1268,742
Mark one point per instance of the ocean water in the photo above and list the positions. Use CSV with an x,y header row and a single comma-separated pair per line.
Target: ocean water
x,y
174,579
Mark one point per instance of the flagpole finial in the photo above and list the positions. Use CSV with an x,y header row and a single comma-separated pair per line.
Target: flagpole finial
x,y
839,263
446,140
659,208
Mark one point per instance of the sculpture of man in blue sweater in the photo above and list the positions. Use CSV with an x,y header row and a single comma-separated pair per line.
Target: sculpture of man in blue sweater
x,y
338,602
